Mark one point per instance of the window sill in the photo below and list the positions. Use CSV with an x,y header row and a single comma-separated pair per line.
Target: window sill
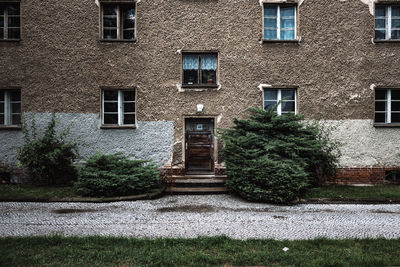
x,y
187,86
10,40
106,127
387,41
386,124
10,127
117,41
296,41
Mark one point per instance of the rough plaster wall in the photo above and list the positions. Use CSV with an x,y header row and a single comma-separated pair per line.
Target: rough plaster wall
x,y
151,140
365,145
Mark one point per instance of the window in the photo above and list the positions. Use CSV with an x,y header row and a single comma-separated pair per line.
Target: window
x,y
119,107
10,21
279,22
10,107
199,69
118,21
387,22
285,97
387,106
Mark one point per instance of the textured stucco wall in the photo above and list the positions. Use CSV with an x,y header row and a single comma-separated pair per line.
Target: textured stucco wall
x,y
150,140
60,63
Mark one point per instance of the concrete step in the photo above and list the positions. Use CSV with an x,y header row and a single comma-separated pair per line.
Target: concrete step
x,y
199,176
196,190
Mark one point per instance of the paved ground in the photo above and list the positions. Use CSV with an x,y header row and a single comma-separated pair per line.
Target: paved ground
x,y
191,216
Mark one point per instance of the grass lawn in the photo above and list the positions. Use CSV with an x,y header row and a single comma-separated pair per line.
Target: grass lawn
x,y
359,192
222,251
10,191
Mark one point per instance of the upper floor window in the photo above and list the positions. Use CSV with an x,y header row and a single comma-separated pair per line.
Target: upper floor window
x,y
279,22
10,107
119,107
285,97
10,21
387,106
199,68
118,21
387,22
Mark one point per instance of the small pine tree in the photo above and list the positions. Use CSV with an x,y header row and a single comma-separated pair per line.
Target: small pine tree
x,y
275,158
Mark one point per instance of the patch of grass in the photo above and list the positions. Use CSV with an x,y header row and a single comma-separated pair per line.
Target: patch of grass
x,y
360,192
113,251
11,191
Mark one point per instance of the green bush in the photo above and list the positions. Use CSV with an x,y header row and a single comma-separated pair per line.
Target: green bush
x,y
48,157
116,175
275,158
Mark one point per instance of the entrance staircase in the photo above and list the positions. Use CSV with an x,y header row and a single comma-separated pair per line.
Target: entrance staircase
x,y
196,184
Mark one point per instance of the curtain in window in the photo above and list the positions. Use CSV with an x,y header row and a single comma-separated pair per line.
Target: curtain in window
x,y
190,62
209,62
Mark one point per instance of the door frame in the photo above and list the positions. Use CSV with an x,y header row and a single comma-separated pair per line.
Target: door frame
x,y
215,139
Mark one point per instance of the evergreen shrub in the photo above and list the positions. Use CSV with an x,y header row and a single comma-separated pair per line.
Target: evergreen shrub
x,y
48,157
116,175
274,159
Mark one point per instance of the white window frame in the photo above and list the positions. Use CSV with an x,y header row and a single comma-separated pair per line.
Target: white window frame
x,y
120,28
279,99
388,22
7,107
278,21
5,15
388,107
120,108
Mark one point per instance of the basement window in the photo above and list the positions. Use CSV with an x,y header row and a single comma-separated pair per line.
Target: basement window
x,y
199,69
387,22
118,22
282,101
10,107
387,106
118,107
279,22
10,21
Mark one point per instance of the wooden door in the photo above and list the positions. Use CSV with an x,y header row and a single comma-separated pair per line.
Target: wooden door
x,y
199,138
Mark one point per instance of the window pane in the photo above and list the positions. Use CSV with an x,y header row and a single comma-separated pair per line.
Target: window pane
x,y
287,11
287,106
16,108
380,117
16,119
395,94
128,15
395,11
2,9
380,23
380,106
395,23
380,34
13,33
190,62
380,94
270,23
395,34
13,9
395,117
287,35
395,106
13,22
111,95
1,33
270,34
15,96
110,22
2,119
287,23
109,34
110,107
129,34
129,107
270,10
129,119
271,94
1,95
269,105
380,11
209,62
110,118
2,21
190,76
208,76
287,95
129,95
1,107
110,10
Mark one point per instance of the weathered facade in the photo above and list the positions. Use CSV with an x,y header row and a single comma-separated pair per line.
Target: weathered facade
x,y
63,61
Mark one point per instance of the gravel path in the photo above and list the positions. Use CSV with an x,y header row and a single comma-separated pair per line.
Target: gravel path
x,y
191,216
